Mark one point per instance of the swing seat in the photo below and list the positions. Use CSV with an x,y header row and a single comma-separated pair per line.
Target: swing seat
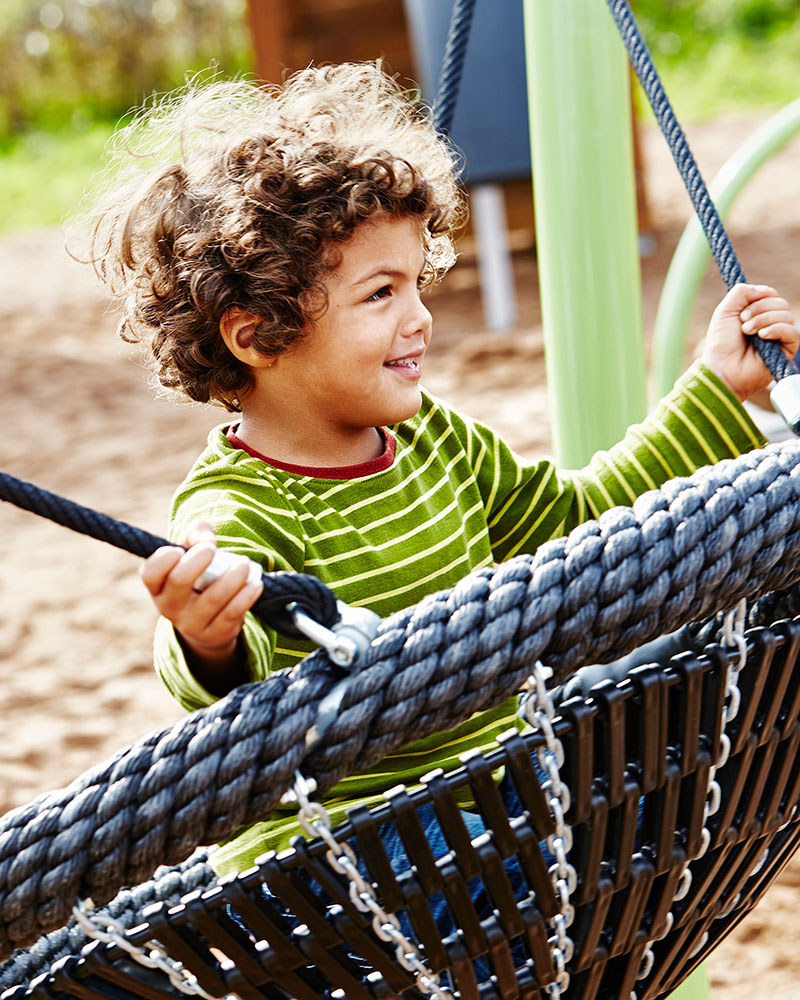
x,y
637,756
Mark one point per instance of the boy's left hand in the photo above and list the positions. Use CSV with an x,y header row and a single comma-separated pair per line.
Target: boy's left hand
x,y
746,310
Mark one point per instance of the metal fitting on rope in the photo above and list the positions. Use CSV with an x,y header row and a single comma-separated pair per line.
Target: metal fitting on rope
x,y
223,560
345,643
785,397
347,640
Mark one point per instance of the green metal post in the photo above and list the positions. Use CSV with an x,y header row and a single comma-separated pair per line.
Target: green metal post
x,y
586,235
586,231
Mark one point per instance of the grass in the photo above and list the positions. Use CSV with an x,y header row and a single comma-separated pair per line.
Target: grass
x,y
43,174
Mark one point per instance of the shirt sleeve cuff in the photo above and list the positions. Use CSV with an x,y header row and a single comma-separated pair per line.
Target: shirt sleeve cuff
x,y
714,414
172,668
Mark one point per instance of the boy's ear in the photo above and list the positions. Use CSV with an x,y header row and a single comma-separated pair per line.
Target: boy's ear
x,y
237,327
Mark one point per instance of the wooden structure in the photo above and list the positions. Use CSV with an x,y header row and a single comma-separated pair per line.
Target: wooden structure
x,y
289,34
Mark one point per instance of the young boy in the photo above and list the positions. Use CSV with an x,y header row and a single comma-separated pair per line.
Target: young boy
x,y
274,263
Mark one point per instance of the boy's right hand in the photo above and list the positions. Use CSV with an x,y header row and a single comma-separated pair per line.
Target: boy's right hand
x,y
208,622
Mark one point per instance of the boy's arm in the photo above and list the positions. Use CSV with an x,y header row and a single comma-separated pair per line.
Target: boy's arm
x,y
701,421
206,643
698,423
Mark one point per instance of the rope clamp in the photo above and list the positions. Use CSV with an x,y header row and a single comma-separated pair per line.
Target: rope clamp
x,y
785,397
345,643
347,640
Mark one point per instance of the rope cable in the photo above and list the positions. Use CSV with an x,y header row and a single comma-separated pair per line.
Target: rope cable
x,y
280,588
453,64
718,239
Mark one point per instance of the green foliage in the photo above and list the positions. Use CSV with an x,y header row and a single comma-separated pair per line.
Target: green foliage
x,y
70,68
71,61
716,56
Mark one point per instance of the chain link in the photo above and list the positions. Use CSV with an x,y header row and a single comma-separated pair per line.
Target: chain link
x,y
732,637
110,931
536,707
316,822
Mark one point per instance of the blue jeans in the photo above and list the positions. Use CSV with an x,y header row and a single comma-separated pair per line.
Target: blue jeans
x,y
398,859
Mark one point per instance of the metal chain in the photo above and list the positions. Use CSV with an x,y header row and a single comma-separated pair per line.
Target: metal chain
x,y
110,931
316,822
732,637
537,708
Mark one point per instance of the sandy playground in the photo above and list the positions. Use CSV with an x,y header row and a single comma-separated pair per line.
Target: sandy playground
x,y
80,419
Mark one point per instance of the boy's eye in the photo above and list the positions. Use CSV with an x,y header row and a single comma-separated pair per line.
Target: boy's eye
x,y
380,294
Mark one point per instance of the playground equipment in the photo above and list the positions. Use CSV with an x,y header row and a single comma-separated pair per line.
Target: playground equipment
x,y
487,122
668,808
689,765
692,253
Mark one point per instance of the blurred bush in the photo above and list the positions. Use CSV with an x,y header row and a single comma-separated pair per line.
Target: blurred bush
x,y
700,22
724,55
73,62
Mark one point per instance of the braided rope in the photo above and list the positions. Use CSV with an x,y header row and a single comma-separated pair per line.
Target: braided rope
x,y
453,64
718,239
167,885
280,588
680,554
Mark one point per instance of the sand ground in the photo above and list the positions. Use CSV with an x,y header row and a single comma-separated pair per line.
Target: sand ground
x,y
81,420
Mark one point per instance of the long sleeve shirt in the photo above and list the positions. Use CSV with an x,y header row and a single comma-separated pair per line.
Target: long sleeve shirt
x,y
446,497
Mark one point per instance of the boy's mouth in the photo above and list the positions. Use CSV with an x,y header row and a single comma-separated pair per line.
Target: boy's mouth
x,y
410,364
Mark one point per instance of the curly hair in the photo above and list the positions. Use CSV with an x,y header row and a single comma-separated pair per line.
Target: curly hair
x,y
234,195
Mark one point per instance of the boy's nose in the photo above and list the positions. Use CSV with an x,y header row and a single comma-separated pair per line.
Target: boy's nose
x,y
419,320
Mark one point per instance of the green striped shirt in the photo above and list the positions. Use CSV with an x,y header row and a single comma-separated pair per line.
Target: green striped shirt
x,y
448,497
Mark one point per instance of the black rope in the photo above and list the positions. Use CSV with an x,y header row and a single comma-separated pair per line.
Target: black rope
x,y
680,554
280,588
168,885
453,64
718,239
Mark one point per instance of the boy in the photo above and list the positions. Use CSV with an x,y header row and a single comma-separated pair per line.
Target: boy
x,y
274,263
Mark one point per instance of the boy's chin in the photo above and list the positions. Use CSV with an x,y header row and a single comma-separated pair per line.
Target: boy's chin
x,y
408,409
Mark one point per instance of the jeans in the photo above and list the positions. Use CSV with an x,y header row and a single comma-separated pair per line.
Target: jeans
x,y
398,859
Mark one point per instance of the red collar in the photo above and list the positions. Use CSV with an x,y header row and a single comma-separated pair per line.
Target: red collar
x,y
379,464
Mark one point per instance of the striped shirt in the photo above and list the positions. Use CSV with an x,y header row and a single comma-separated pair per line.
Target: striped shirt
x,y
446,497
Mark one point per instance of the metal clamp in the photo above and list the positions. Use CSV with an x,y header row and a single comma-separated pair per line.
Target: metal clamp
x,y
785,397
348,639
344,643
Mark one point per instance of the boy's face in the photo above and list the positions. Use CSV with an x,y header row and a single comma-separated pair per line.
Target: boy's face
x,y
359,365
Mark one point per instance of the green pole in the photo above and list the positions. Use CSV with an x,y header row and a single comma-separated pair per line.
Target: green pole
x,y
586,231
587,236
